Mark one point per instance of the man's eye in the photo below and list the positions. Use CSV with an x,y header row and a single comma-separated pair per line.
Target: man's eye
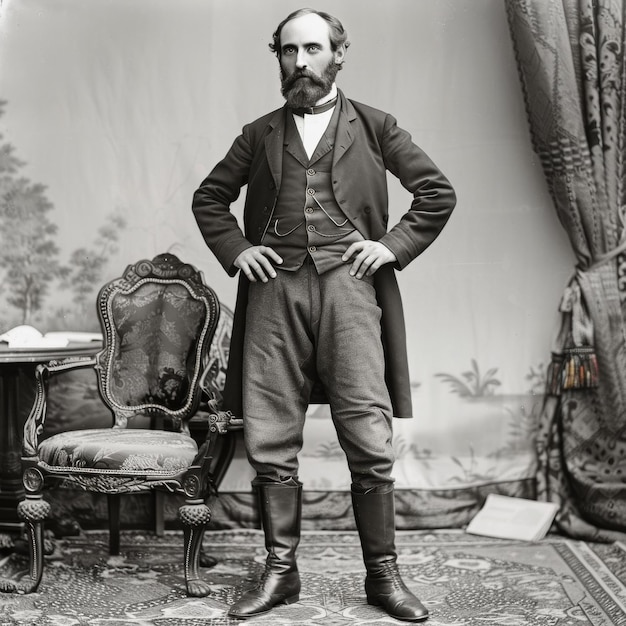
x,y
288,50
314,48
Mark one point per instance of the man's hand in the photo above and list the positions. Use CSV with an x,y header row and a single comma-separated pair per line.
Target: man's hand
x,y
255,263
368,257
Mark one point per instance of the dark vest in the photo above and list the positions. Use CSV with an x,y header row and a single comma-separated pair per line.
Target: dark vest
x,y
307,220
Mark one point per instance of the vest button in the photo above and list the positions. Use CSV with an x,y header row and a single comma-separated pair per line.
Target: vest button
x,y
310,228
309,209
312,249
310,191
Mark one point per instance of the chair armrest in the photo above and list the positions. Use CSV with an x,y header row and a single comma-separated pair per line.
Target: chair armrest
x,y
211,467
234,423
37,416
213,458
219,421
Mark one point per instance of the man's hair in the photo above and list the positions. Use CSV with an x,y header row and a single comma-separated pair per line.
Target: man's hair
x,y
338,36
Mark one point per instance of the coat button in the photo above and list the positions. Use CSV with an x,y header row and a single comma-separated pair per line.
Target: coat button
x,y
367,210
311,172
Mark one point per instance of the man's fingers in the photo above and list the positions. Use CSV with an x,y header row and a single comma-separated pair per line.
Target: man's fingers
x,y
360,266
349,253
272,254
257,271
370,255
248,270
264,269
255,264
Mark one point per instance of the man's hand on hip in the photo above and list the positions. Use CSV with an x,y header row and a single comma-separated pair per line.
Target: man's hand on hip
x,y
367,256
256,263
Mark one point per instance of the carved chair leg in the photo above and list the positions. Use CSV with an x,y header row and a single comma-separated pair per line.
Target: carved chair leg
x,y
113,503
33,510
194,515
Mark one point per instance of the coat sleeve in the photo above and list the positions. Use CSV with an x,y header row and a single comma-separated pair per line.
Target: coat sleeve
x,y
433,195
213,199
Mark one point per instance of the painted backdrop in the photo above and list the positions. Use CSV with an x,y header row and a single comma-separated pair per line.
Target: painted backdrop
x,y
113,111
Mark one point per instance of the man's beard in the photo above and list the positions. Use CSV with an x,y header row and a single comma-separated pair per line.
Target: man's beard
x,y
303,88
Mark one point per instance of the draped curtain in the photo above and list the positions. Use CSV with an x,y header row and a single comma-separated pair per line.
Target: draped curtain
x,y
570,56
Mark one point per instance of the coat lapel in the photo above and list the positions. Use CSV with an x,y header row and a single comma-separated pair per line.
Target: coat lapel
x,y
274,146
293,143
345,135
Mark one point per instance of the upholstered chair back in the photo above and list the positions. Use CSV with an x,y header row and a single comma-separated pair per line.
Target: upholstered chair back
x,y
155,320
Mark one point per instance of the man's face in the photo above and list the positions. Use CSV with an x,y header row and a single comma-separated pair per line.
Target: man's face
x,y
308,64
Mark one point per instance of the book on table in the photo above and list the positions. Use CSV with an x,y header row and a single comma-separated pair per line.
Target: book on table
x,y
25,336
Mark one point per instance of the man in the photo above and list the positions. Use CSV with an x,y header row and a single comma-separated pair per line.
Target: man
x,y
318,307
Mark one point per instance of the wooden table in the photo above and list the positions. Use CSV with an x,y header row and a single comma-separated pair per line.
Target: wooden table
x,y
17,392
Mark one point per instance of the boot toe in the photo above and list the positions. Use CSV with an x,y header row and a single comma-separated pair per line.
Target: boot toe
x,y
258,602
409,611
403,606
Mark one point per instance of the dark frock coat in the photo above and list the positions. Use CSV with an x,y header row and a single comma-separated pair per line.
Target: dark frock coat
x,y
368,143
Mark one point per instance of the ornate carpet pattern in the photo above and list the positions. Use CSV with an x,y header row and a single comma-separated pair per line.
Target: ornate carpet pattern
x,y
464,580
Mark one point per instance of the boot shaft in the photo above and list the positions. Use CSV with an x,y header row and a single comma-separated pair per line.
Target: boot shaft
x,y
280,507
374,514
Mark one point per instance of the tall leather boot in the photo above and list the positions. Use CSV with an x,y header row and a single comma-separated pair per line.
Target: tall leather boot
x,y
281,513
374,514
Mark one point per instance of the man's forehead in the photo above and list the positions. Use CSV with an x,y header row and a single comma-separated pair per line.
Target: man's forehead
x,y
310,28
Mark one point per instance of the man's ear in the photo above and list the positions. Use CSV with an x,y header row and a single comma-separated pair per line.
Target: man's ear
x,y
340,55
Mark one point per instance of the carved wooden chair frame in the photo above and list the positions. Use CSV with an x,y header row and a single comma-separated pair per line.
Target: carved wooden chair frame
x,y
195,481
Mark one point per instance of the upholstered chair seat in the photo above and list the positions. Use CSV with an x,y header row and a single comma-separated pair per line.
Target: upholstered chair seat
x,y
125,451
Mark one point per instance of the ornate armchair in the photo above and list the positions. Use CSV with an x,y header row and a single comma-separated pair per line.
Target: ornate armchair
x,y
157,320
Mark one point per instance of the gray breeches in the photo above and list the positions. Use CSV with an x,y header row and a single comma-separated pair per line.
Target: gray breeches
x,y
301,326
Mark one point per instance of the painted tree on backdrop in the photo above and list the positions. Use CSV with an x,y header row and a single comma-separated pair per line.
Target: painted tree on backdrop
x,y
86,268
28,255
30,258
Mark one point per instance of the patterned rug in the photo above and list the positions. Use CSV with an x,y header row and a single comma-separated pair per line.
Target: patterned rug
x,y
464,580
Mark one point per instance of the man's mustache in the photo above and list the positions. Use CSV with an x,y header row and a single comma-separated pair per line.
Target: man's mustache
x,y
290,80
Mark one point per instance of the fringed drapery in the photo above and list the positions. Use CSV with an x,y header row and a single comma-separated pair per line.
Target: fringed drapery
x,y
570,56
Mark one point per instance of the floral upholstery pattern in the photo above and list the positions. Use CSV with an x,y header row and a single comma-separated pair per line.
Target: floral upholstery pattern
x,y
156,327
110,450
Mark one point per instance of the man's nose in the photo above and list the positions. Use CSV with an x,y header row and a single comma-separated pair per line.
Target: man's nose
x,y
301,60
